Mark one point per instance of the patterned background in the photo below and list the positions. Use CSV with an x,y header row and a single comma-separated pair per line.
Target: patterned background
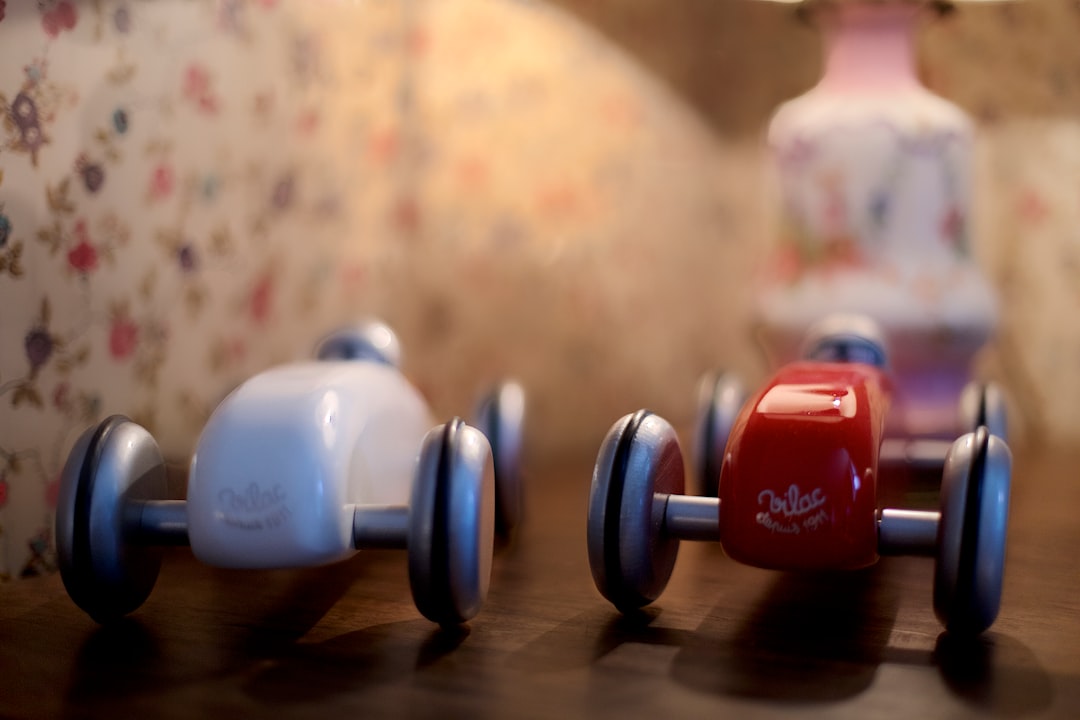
x,y
575,196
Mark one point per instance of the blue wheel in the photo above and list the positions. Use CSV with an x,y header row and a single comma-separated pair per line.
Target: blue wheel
x,y
720,398
501,417
984,404
451,524
106,570
372,341
630,555
971,535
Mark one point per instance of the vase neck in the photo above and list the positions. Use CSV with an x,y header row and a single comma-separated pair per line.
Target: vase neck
x,y
869,48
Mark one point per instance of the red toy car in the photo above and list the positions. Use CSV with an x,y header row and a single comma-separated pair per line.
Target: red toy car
x,y
798,487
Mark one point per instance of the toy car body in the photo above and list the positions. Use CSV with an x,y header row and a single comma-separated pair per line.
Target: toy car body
x,y
301,465
285,457
799,486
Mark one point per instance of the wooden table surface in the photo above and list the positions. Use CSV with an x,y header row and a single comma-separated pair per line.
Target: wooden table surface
x,y
724,640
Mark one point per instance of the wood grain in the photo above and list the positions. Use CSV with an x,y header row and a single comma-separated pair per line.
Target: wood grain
x,y
724,640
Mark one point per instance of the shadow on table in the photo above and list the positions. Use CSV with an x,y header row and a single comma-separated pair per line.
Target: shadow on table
x,y
575,644
822,638
225,621
377,656
115,660
994,673
811,638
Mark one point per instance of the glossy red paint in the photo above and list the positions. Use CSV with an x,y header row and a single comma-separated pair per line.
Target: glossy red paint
x,y
798,485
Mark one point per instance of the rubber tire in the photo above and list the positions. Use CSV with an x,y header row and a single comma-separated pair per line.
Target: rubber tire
x,y
630,555
970,563
104,571
451,524
720,398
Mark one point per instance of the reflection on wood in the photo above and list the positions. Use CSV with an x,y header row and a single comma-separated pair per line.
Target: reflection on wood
x,y
724,639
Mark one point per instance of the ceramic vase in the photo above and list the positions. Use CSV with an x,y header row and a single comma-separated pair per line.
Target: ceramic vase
x,y
873,176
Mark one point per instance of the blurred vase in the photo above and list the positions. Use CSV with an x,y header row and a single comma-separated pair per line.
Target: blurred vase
x,y
874,177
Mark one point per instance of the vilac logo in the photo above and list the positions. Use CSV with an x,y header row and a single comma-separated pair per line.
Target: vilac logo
x,y
254,507
793,503
252,499
792,512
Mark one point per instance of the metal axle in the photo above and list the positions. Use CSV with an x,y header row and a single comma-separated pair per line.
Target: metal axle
x,y
900,532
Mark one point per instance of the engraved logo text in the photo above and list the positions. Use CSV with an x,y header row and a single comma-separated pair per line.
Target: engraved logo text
x,y
254,507
792,512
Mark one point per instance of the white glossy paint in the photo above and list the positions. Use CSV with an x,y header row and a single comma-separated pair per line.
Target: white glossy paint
x,y
283,460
